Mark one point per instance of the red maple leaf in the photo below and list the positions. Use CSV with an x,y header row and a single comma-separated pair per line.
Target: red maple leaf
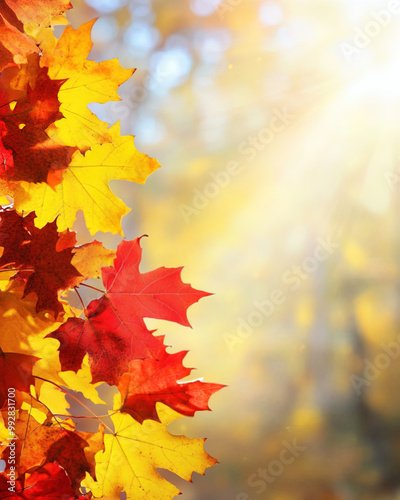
x,y
20,12
50,457
35,95
16,372
6,160
48,482
110,343
159,294
6,156
15,44
68,451
114,331
156,380
42,255
28,105
15,232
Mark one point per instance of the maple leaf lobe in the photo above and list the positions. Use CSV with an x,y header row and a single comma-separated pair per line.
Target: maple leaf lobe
x,y
42,257
158,294
152,381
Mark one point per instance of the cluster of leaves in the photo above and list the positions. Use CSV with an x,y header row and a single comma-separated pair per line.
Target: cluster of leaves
x,y
57,157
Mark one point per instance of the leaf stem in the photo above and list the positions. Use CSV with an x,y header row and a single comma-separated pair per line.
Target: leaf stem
x,y
85,311
78,401
6,103
93,288
14,270
82,416
20,112
41,402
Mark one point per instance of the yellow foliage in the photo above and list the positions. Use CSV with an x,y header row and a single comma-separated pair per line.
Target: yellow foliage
x,y
80,188
87,81
133,454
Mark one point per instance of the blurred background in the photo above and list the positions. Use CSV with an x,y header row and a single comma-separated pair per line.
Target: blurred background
x,y
276,125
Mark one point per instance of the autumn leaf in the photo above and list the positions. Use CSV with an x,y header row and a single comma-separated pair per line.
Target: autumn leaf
x,y
150,381
110,343
69,450
20,12
41,256
15,231
158,294
80,189
38,137
48,482
31,146
23,331
134,453
27,426
32,94
6,158
15,46
57,158
28,105
86,82
91,257
56,441
27,134
35,133
16,372
114,332
53,270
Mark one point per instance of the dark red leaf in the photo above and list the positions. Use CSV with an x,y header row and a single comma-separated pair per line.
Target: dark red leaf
x,y
45,269
15,372
28,105
49,482
110,343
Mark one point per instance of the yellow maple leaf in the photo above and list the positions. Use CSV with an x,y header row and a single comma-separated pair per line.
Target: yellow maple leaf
x,y
85,185
3,199
23,331
53,398
132,455
90,258
87,81
81,381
